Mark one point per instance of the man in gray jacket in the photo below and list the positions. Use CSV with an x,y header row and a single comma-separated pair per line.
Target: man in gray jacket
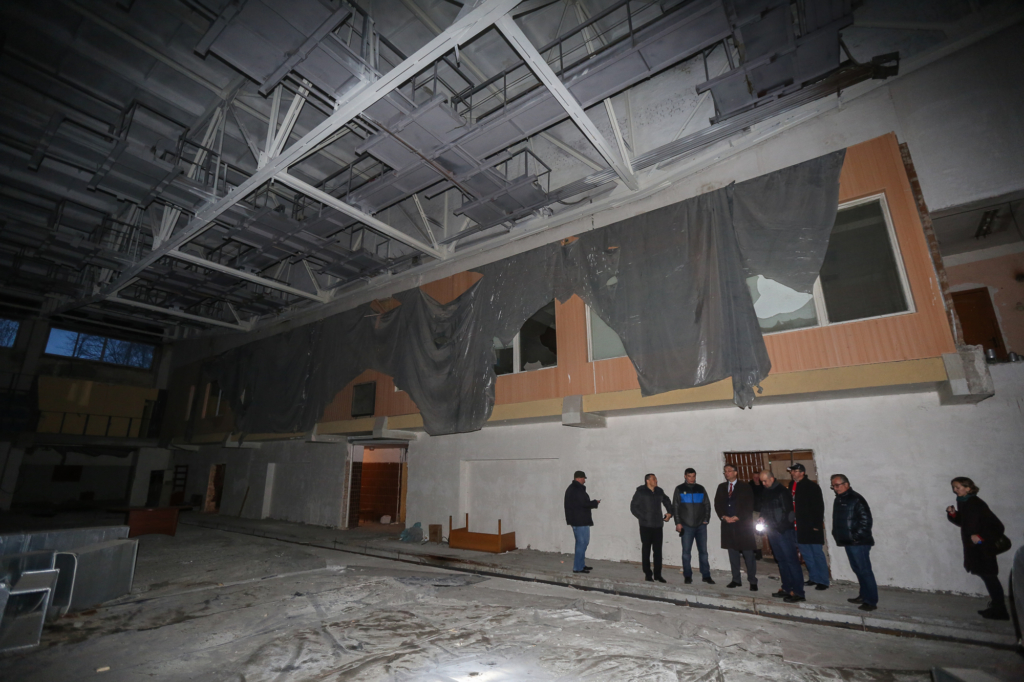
x,y
692,510
646,507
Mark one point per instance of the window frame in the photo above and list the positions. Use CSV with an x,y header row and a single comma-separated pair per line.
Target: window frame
x,y
590,342
820,307
152,364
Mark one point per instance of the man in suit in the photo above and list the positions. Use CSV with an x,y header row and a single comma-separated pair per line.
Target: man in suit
x,y
734,505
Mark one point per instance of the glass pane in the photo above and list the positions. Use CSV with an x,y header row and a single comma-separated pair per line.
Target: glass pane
x,y
89,347
604,342
503,357
780,308
62,342
859,277
8,332
538,346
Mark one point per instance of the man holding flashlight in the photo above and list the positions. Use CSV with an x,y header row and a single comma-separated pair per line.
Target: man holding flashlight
x,y
777,515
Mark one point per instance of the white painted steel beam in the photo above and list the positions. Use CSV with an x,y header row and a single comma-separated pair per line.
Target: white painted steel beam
x,y
353,212
468,27
177,313
247,276
522,45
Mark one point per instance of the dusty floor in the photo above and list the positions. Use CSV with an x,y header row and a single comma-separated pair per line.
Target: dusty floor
x,y
210,605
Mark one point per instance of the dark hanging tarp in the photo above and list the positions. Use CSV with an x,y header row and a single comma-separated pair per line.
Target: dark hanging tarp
x,y
670,282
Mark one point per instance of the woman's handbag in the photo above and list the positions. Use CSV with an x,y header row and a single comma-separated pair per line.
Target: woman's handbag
x,y
1001,544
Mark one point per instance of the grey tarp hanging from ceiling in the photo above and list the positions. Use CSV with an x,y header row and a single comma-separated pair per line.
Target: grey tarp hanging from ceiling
x,y
670,282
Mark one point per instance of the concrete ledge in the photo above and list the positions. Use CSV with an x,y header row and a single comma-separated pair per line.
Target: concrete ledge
x,y
771,608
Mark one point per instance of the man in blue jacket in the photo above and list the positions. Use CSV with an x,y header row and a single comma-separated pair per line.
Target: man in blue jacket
x,y
692,511
577,514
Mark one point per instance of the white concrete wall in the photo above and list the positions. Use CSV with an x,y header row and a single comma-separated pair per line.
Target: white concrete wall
x,y
308,484
150,459
899,451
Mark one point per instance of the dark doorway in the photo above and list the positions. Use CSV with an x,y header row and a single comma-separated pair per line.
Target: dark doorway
x,y
376,487
750,464
978,320
156,486
178,484
214,489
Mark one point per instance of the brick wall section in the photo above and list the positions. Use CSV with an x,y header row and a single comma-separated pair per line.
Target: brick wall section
x,y
933,243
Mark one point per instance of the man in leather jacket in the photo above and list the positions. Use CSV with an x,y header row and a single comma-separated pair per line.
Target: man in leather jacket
x,y
578,507
646,507
778,516
851,529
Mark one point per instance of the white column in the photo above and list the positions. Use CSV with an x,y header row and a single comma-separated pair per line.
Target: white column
x,y
268,490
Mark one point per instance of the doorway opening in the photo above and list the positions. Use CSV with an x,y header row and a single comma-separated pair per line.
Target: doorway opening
x,y
214,489
156,486
377,485
750,464
978,320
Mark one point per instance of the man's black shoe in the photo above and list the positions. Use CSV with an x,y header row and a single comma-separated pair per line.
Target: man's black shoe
x,y
583,571
995,613
708,580
780,594
793,598
809,583
687,580
856,600
660,579
821,587
734,584
648,578
588,568
867,607
753,588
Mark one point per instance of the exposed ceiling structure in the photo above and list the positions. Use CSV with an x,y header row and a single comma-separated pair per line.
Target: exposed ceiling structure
x,y
184,166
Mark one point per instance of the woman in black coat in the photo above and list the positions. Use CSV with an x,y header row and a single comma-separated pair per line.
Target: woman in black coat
x,y
979,530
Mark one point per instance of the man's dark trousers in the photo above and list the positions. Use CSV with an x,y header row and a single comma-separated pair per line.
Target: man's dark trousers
x,y
784,549
860,562
651,538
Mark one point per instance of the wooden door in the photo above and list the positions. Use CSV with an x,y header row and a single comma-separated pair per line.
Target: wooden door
x,y
978,320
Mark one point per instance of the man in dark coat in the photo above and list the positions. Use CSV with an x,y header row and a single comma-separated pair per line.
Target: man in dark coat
x,y
577,514
809,506
734,505
692,509
777,515
646,507
851,529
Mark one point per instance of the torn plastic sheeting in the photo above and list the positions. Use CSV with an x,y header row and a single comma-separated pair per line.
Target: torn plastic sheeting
x,y
671,283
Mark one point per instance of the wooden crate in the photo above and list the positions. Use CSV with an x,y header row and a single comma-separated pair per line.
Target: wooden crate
x,y
462,538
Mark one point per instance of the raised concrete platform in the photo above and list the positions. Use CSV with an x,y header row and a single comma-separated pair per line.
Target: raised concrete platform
x,y
901,612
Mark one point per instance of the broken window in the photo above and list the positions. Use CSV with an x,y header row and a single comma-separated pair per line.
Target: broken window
x,y
862,274
861,277
534,347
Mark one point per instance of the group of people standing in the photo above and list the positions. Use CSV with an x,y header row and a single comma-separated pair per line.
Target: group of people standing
x,y
792,516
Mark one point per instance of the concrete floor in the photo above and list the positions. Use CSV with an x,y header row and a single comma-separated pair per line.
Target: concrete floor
x,y
214,605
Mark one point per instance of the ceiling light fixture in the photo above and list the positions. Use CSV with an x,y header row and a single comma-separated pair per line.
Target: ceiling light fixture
x,y
985,226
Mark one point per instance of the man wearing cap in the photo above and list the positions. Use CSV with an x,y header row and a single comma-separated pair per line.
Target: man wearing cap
x,y
577,514
809,506
777,516
692,510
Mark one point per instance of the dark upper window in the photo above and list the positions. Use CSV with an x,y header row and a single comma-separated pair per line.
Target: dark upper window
x,y
99,349
534,347
8,332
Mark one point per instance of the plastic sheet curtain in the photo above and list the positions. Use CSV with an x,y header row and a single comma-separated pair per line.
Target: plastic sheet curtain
x,y
670,282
